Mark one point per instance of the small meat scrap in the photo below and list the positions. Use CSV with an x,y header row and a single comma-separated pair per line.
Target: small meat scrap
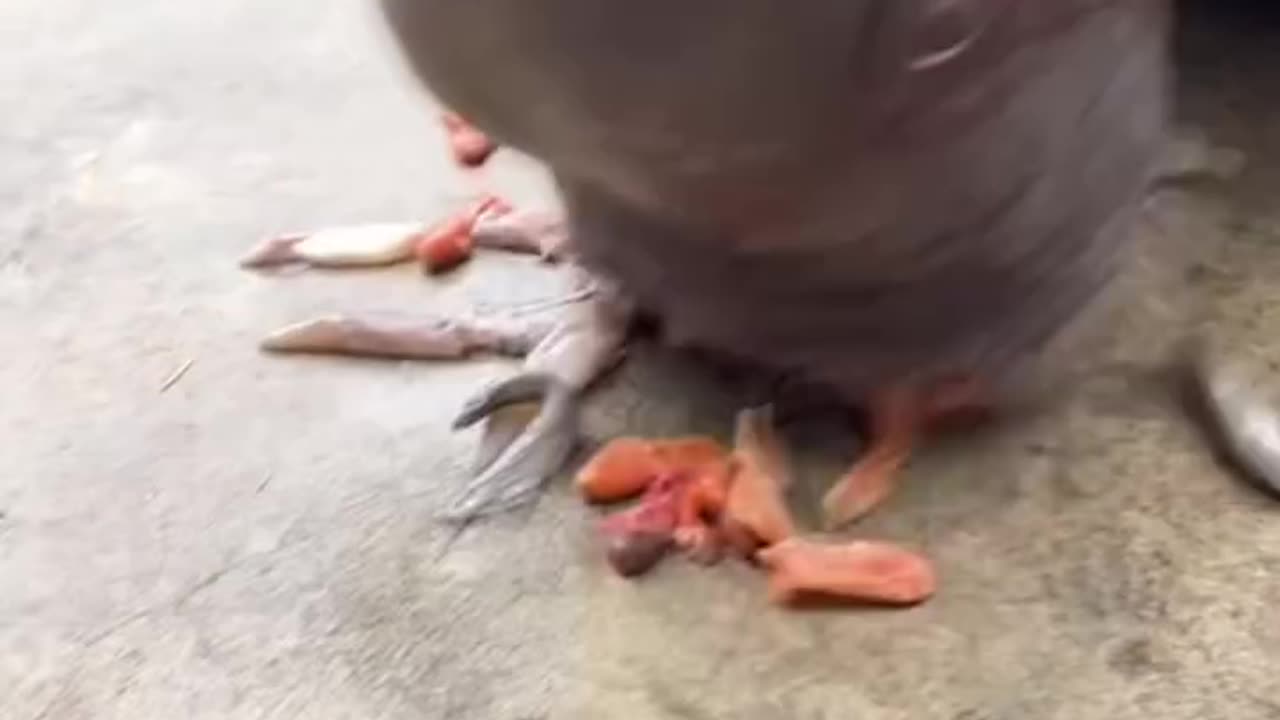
x,y
637,538
622,469
861,571
635,553
449,243
702,499
626,466
691,453
701,507
445,246
470,147
756,505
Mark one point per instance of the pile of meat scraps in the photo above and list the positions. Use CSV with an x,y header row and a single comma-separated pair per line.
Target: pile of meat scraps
x,y
706,501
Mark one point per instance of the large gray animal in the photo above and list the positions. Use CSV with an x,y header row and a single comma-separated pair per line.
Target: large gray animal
x,y
912,203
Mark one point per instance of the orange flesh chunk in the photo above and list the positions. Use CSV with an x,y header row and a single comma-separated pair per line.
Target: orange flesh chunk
x,y
755,504
862,571
626,466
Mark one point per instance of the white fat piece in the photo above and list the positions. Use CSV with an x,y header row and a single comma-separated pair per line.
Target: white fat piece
x,y
360,245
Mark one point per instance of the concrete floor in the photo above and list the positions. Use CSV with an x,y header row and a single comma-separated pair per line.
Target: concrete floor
x,y
257,542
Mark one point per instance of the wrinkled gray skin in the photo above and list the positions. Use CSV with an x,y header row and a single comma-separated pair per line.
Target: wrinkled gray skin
x,y
863,192
857,193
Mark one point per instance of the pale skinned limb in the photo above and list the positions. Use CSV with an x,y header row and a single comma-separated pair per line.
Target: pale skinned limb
x,y
521,448
522,231
416,338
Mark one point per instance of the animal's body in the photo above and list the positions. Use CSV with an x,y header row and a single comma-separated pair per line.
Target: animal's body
x,y
906,201
864,192
920,205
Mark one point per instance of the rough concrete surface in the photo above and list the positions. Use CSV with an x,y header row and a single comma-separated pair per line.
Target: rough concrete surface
x,y
257,541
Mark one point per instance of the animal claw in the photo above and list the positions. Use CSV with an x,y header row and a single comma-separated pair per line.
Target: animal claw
x,y
521,388
515,476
